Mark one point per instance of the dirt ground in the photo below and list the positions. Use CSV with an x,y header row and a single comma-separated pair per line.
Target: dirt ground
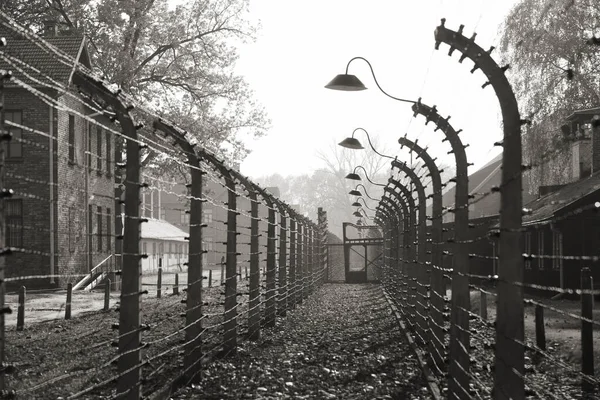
x,y
58,358
557,372
50,305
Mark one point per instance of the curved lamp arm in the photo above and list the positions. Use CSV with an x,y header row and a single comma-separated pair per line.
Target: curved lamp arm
x,y
371,144
367,176
376,82
365,204
365,190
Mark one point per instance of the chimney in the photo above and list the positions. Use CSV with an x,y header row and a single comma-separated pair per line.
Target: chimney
x,y
595,123
50,28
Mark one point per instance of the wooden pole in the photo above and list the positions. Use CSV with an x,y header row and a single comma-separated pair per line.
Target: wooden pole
x,y
159,280
176,285
222,269
587,333
540,328
210,278
69,298
21,309
483,312
107,295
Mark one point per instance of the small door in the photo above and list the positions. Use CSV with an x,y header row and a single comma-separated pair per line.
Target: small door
x,y
356,263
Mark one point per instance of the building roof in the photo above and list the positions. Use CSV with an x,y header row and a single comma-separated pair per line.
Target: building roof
x,y
481,182
583,114
162,230
553,204
36,59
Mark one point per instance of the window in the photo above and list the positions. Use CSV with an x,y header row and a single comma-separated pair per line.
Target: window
x,y
160,249
528,249
207,216
154,248
541,250
208,247
170,247
14,222
109,223
144,248
162,213
495,257
557,249
184,217
99,222
15,146
91,228
72,139
88,159
99,149
108,155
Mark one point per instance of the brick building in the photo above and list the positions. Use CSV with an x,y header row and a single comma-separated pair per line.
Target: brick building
x,y
60,220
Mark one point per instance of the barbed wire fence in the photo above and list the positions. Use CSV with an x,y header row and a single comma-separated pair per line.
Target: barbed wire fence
x,y
488,336
272,257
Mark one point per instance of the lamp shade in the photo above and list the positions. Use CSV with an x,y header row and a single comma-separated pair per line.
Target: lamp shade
x,y
357,214
345,82
356,204
351,143
355,192
353,176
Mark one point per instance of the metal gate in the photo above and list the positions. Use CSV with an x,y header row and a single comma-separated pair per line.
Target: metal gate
x,y
353,260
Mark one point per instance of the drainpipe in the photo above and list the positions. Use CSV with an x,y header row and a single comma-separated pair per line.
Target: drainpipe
x,y
51,185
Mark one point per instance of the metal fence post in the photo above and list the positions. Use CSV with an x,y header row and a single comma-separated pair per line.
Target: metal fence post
x,y
293,282
271,268
510,329
4,136
587,333
128,383
283,288
254,292
230,325
437,291
300,261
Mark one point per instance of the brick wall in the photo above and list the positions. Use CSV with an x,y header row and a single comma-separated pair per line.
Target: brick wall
x,y
29,177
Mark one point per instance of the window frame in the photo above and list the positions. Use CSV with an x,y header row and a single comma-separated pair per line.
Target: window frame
x,y
10,234
540,238
99,231
557,250
71,139
99,141
12,130
528,250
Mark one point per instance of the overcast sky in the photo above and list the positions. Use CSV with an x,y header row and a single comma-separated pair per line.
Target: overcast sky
x,y
303,44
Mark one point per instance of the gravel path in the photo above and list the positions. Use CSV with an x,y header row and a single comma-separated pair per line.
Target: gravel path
x,y
342,343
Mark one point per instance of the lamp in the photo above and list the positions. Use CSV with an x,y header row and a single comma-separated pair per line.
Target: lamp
x,y
355,177
345,82
350,83
356,203
356,192
352,143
